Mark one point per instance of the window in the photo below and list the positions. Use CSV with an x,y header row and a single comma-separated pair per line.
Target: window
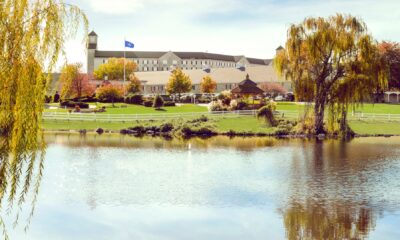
x,y
145,69
165,62
184,62
193,87
144,61
155,62
174,62
154,69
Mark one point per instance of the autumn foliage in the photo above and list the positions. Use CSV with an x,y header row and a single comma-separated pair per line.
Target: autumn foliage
x,y
179,83
390,51
208,85
74,83
273,88
109,92
114,69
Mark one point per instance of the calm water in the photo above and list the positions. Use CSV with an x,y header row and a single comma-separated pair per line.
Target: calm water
x,y
116,187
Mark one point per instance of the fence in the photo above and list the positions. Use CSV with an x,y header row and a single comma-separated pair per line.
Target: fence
x,y
101,117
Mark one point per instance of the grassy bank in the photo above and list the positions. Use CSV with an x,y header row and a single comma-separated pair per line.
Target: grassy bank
x,y
244,124
240,124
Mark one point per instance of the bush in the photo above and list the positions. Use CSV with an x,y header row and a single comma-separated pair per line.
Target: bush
x,y
72,104
56,97
134,99
148,103
158,102
216,106
242,106
166,127
169,104
109,94
47,99
203,131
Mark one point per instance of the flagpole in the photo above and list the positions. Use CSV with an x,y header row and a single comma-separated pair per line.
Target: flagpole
x,y
124,66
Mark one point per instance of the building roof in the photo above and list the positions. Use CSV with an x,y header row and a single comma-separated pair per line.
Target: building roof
x,y
181,55
247,82
247,86
92,33
279,48
259,74
247,90
130,54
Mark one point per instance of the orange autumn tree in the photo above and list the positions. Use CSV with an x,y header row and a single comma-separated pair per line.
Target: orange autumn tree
x,y
110,93
208,85
74,83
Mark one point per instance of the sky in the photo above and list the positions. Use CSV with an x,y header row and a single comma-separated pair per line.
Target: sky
x,y
254,28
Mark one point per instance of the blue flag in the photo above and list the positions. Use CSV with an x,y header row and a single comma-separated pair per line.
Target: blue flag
x,y
129,44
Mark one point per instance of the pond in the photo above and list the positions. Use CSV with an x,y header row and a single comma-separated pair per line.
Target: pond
x,y
120,187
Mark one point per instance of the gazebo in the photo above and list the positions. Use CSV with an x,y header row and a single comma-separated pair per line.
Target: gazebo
x,y
247,88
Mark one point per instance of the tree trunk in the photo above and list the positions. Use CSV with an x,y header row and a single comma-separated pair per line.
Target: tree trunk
x,y
319,110
343,122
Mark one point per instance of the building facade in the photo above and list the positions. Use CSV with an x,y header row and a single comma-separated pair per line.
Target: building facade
x,y
148,61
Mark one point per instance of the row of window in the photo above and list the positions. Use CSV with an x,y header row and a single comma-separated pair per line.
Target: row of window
x,y
162,88
184,62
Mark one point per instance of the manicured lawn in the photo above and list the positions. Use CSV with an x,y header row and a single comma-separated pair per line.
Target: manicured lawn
x,y
242,124
380,108
372,127
137,109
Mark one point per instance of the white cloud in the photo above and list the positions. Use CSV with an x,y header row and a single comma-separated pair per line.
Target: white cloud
x,y
116,6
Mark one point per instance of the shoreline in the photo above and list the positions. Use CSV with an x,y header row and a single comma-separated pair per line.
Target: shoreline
x,y
227,134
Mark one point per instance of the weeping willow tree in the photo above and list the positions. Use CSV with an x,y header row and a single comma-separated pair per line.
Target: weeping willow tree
x,y
33,35
330,61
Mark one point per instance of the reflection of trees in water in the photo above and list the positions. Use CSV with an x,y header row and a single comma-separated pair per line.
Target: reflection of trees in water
x,y
21,170
318,211
318,220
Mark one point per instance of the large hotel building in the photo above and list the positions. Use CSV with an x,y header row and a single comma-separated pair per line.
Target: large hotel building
x,y
153,68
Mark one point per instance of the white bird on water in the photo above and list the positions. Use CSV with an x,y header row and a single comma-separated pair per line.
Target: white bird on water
x,y
190,146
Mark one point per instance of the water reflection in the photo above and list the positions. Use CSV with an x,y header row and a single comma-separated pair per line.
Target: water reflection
x,y
220,188
340,189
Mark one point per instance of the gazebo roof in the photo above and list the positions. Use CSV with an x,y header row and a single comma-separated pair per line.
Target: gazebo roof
x,y
247,86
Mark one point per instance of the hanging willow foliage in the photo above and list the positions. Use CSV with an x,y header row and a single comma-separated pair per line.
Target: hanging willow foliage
x,y
331,61
33,35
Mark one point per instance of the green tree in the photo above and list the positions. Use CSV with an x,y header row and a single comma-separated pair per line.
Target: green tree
x,y
326,55
179,83
208,85
114,69
74,83
33,36
158,102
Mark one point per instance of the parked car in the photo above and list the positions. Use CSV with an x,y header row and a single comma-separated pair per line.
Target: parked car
x,y
279,98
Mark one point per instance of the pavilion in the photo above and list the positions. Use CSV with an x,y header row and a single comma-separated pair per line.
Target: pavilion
x,y
247,88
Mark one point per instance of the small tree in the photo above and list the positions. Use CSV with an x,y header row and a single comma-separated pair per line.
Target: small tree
x,y
109,93
56,97
208,85
158,102
179,83
114,69
74,83
273,88
134,85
